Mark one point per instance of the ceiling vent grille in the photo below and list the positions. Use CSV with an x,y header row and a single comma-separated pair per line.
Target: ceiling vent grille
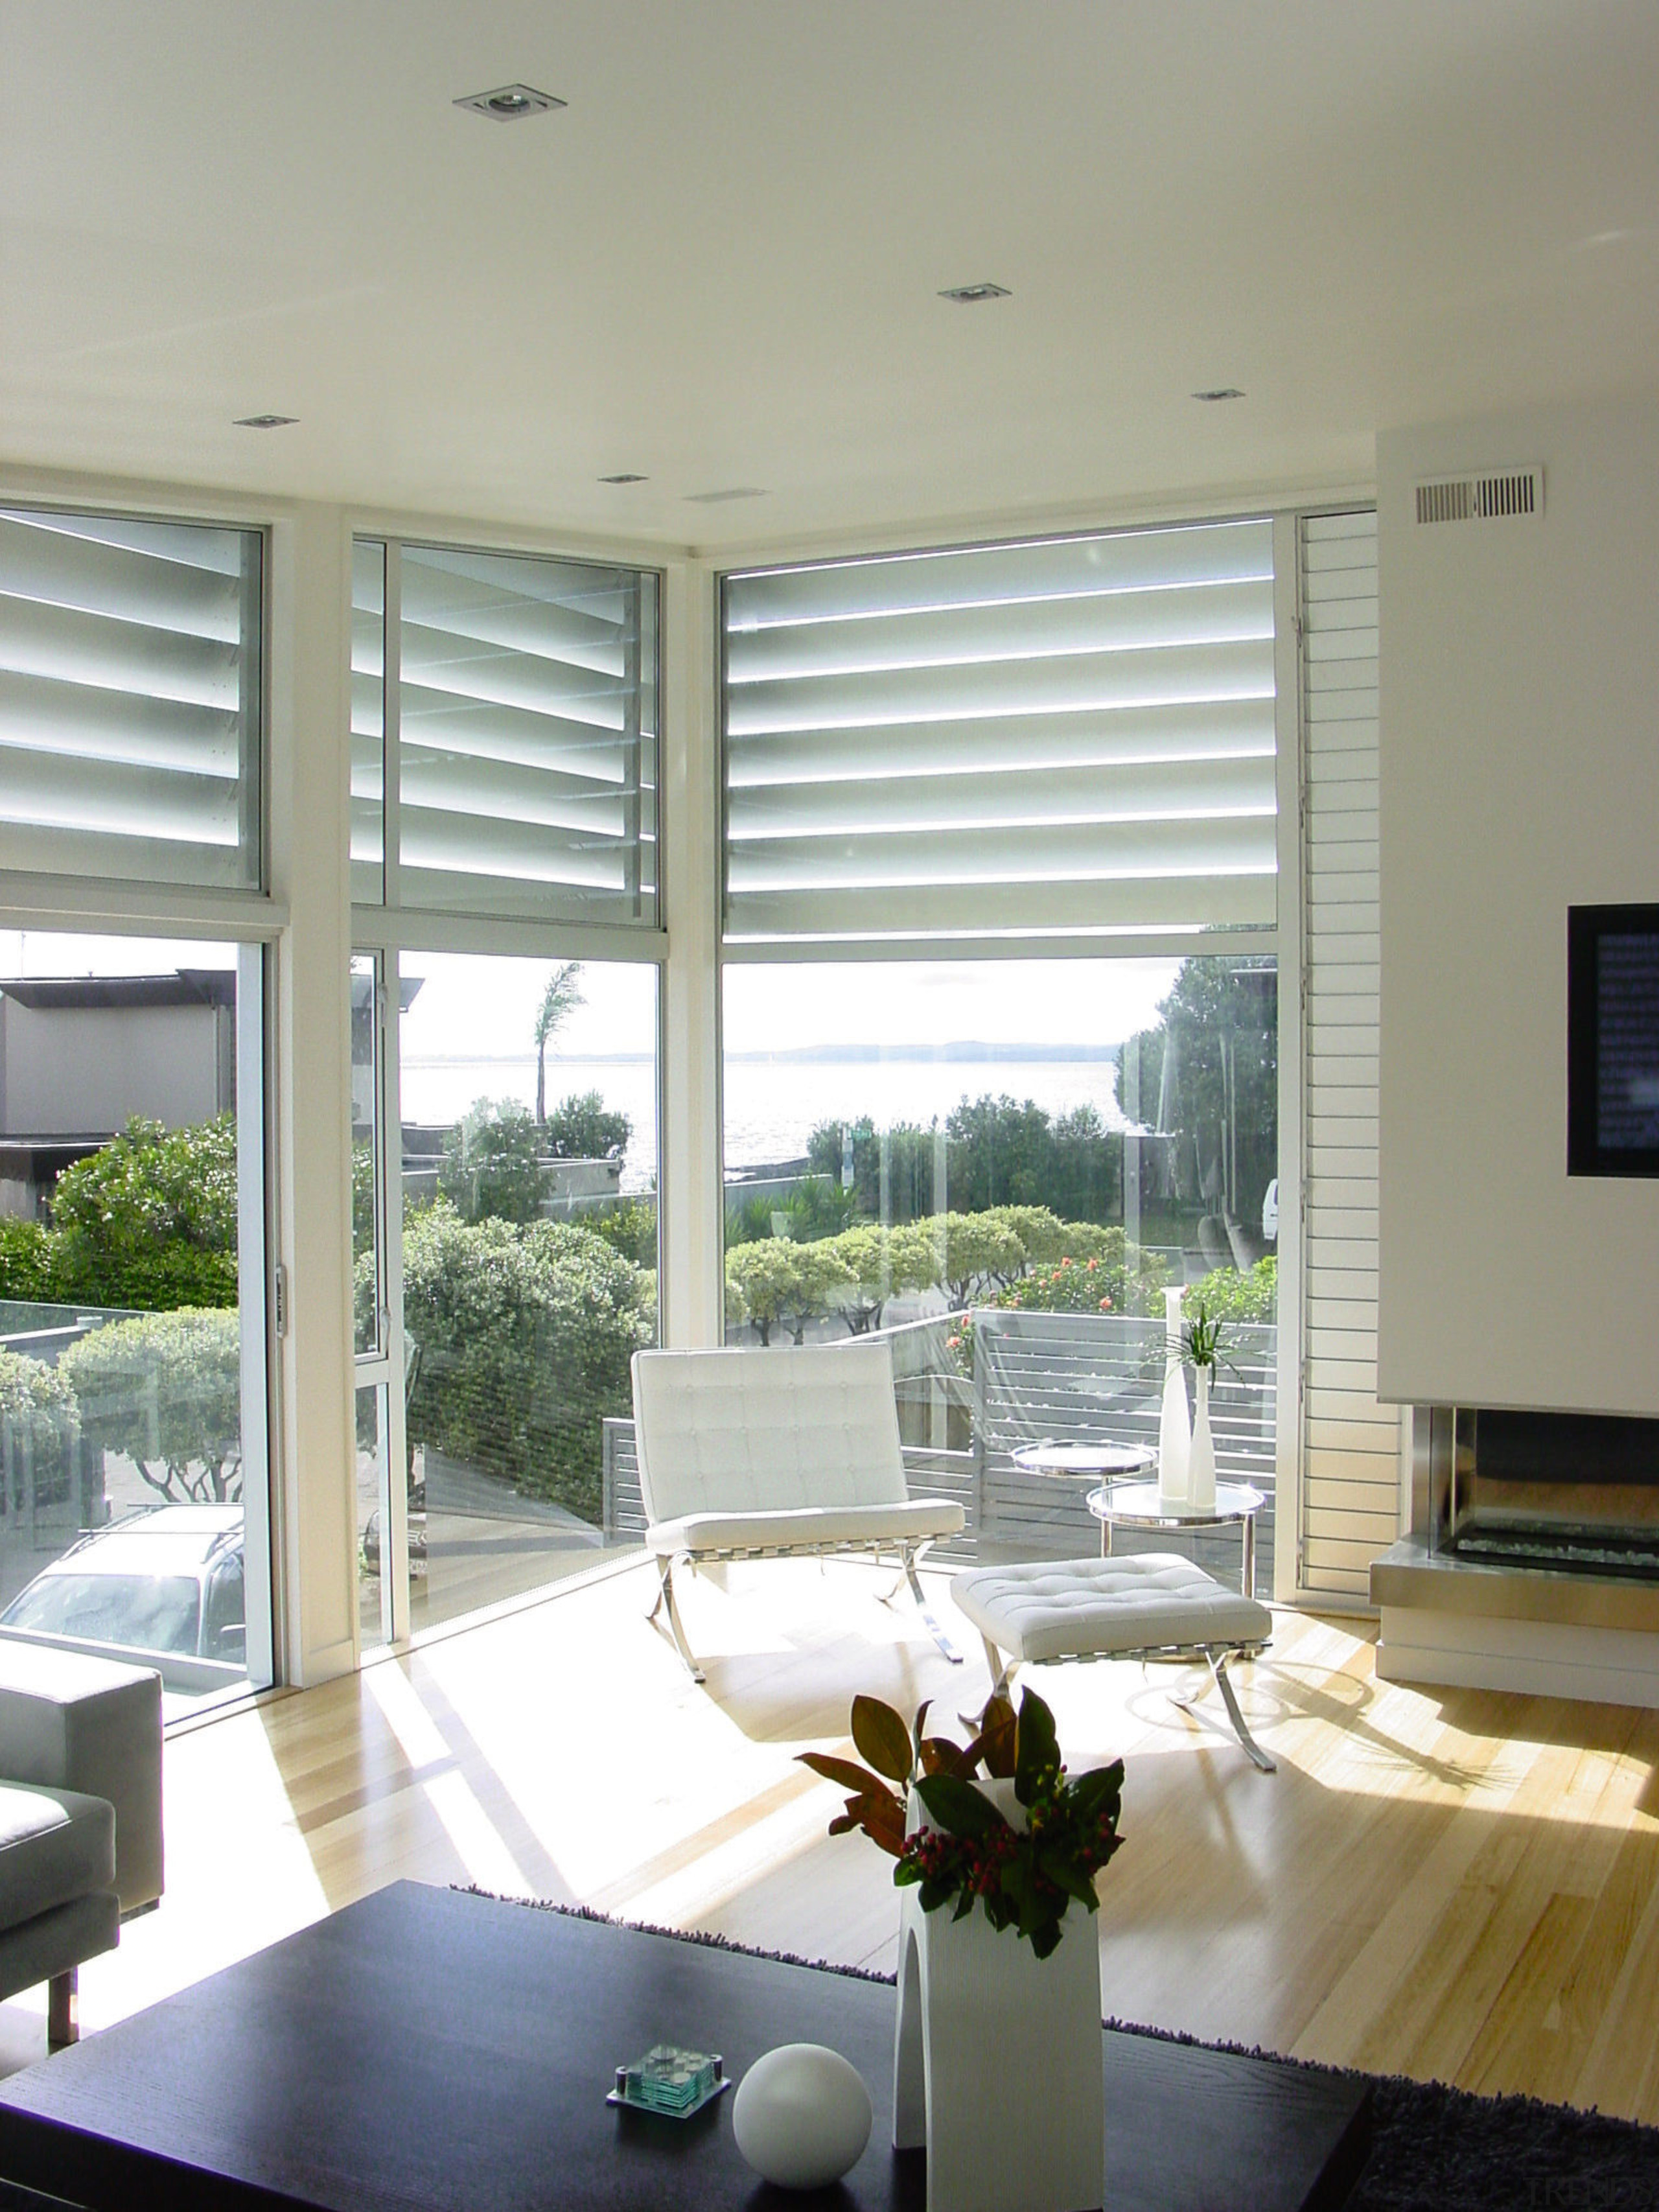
x,y
1505,494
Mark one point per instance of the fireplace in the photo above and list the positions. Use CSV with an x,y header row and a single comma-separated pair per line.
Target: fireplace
x,y
1577,1492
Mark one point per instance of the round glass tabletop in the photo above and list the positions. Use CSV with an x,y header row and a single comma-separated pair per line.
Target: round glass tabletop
x,y
1138,1505
1076,1460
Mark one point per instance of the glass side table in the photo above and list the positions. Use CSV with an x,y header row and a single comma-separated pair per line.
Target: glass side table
x,y
1137,1505
1083,1463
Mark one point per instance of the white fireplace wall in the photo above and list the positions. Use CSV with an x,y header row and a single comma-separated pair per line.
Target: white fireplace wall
x,y
1519,775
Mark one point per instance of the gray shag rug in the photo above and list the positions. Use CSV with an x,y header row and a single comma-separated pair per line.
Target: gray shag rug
x,y
1433,2148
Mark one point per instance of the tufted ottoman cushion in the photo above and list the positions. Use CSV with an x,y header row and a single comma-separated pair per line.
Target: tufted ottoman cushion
x,y
1090,1608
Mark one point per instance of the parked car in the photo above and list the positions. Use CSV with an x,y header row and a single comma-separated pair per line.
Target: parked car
x,y
165,1586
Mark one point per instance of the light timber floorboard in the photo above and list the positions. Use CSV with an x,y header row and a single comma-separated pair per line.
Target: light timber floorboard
x,y
1449,1883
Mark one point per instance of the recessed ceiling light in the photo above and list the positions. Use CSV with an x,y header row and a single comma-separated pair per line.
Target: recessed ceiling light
x,y
969,296
1221,391
625,476
264,421
718,498
510,103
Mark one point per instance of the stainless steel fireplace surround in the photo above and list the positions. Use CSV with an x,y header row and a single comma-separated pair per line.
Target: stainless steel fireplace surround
x,y
1550,1519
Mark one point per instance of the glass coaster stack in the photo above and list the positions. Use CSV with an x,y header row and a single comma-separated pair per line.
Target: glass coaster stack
x,y
669,2080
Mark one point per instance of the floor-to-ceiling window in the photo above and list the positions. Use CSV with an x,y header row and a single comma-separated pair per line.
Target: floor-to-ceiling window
x,y
505,1019
134,1477
1000,989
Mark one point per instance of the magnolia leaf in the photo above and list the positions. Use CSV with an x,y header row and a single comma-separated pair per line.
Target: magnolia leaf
x,y
957,1807
1038,1749
878,1817
1045,1940
858,1779
1065,1875
938,1755
997,1738
883,1738
916,1727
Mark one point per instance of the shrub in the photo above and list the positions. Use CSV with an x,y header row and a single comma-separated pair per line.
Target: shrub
x,y
630,1229
819,1208
1094,1264
150,1219
525,1336
583,1128
979,1252
166,1389
38,1418
27,1263
746,1223
1226,1295
491,1165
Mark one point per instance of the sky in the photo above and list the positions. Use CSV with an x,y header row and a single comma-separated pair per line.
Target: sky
x,y
476,1007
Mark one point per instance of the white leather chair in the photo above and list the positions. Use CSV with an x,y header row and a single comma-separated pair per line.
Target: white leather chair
x,y
775,1453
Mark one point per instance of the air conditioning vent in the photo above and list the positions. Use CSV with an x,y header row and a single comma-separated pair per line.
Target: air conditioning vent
x,y
1504,494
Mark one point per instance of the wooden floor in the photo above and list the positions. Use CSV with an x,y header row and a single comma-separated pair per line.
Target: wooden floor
x,y
1452,1884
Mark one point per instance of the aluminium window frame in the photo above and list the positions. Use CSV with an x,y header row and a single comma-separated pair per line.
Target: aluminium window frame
x,y
385,930
254,922
1283,941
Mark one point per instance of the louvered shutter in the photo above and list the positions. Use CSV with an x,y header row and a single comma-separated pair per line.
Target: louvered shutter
x,y
130,699
1351,1456
526,738
1069,736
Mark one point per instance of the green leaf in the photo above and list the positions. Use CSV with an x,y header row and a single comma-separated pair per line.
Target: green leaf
x,y
1038,1751
883,1738
957,1807
1064,1871
1099,1792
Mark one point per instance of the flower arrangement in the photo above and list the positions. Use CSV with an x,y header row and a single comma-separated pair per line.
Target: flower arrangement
x,y
1023,1878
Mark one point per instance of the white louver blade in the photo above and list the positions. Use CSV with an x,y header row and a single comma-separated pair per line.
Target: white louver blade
x,y
527,735
129,700
1067,736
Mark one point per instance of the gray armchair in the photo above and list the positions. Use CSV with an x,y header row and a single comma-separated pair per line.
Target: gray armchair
x,y
80,1845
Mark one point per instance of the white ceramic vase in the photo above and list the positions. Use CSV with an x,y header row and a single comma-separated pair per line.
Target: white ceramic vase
x,y
1174,1440
997,2057
1200,1457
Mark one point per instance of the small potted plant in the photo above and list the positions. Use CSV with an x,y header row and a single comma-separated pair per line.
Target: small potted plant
x,y
1201,1345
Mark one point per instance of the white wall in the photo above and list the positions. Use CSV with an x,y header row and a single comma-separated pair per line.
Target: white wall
x,y
84,1071
1520,775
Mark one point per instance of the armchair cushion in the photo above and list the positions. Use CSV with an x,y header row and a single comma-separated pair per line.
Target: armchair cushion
x,y
56,1845
915,1521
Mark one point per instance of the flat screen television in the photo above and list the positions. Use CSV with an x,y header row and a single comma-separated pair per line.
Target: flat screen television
x,y
1612,1040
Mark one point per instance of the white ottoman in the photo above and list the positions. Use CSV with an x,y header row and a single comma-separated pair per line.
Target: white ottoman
x,y
1154,1606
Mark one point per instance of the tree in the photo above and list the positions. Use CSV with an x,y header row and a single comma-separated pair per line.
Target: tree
x,y
881,1261
491,1164
560,999
786,1284
978,1251
166,1389
1221,1016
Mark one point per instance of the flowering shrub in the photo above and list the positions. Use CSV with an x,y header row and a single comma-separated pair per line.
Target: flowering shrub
x,y
1022,1878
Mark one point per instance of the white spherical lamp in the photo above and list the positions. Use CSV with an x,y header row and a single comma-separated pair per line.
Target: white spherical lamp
x,y
801,2116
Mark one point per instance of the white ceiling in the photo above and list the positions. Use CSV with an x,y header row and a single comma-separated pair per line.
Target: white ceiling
x,y
720,266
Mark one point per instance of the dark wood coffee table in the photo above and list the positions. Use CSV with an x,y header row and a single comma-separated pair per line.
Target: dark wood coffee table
x,y
428,2051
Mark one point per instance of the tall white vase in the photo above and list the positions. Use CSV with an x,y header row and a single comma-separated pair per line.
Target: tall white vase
x,y
997,2057
1173,1439
1201,1456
